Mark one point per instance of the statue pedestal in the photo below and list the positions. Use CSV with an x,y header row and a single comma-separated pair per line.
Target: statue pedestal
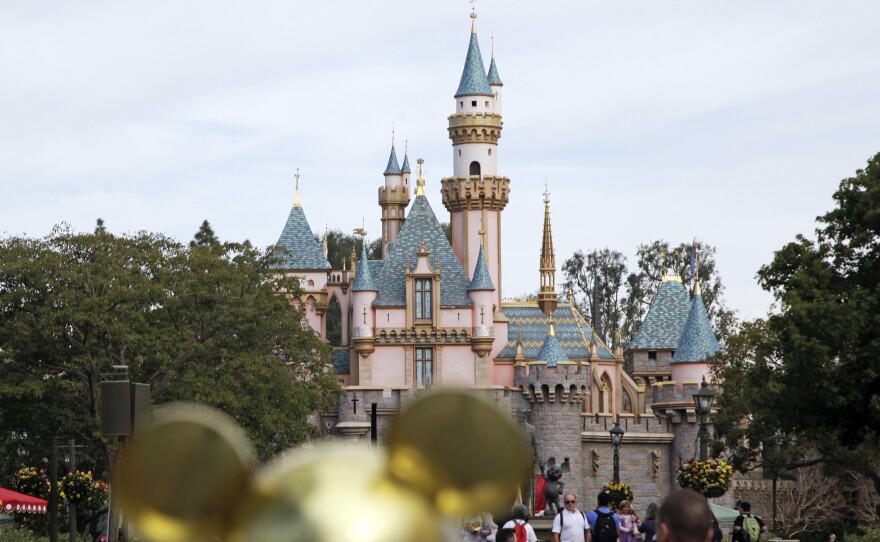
x,y
353,431
542,526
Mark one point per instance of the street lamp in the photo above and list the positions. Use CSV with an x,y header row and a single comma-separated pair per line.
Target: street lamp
x,y
703,400
616,438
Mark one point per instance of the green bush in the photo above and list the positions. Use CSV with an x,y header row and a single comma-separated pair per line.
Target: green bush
x,y
869,533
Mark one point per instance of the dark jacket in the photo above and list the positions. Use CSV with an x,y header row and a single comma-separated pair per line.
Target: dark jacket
x,y
649,529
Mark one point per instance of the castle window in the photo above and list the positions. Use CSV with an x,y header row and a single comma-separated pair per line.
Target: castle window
x,y
459,152
487,103
627,403
490,152
652,355
473,103
423,299
460,104
424,367
475,168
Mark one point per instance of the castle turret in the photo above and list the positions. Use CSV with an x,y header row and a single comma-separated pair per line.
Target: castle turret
x,y
363,293
394,198
697,343
495,81
475,195
482,294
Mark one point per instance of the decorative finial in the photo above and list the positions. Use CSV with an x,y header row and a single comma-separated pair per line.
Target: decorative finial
x,y
473,16
482,232
392,134
546,192
360,231
296,202
551,327
405,147
420,182
493,44
570,294
697,289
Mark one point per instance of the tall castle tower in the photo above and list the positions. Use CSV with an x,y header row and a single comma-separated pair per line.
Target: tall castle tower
x,y
394,198
475,195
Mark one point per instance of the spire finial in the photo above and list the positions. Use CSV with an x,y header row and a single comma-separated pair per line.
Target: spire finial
x,y
360,231
420,182
546,193
697,289
296,202
482,232
493,44
392,134
405,147
473,16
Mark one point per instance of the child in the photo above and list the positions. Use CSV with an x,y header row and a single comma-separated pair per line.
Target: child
x,y
629,522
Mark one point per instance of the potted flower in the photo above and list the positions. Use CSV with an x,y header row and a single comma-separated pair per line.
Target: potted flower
x,y
711,477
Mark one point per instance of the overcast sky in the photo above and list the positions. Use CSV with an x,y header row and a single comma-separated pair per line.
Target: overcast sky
x,y
728,121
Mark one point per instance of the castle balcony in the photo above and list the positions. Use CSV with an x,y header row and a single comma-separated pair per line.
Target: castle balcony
x,y
474,128
398,195
474,193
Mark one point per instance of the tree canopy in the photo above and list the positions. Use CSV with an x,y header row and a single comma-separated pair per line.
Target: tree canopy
x,y
201,322
602,284
806,377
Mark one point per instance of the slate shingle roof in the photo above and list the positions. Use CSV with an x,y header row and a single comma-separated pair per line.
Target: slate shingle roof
x,y
473,77
363,280
341,361
572,331
551,351
301,250
405,167
697,341
421,226
493,77
393,167
662,326
481,280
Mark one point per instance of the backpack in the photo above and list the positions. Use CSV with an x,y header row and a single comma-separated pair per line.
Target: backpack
x,y
751,528
519,530
605,529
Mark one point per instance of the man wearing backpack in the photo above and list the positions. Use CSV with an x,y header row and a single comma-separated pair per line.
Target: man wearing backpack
x,y
519,524
570,524
747,528
603,522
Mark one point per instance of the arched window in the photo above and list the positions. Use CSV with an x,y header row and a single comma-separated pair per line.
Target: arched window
x,y
490,152
334,322
627,403
475,168
605,394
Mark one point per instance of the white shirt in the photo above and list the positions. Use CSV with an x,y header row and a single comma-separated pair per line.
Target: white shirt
x,y
572,526
530,533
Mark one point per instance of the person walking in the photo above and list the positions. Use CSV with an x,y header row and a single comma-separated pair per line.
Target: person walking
x,y
629,522
684,516
747,528
649,525
570,524
603,522
520,524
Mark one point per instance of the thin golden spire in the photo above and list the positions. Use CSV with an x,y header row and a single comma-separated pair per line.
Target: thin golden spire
x,y
420,182
697,289
473,16
547,298
296,202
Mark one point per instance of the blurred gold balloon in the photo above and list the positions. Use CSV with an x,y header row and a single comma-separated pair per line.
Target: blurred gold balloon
x,y
332,494
182,475
460,451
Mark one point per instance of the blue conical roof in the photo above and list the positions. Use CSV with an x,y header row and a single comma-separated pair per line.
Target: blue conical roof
x,y
363,280
481,280
493,77
661,329
300,249
473,77
552,351
393,167
698,342
405,167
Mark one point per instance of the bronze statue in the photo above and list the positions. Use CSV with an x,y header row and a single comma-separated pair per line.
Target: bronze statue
x,y
554,488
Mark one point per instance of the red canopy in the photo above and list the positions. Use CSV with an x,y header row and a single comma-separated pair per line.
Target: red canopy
x,y
10,501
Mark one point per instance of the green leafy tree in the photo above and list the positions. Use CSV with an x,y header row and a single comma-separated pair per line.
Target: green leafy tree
x,y
596,280
340,246
203,322
807,376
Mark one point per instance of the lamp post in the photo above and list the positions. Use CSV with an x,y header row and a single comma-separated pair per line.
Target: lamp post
x,y
616,438
703,400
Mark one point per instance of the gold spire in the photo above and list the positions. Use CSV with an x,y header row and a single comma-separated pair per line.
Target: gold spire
x,y
326,245
551,327
420,183
697,289
473,16
296,202
547,299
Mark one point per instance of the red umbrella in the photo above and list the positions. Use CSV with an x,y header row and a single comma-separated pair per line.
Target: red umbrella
x,y
10,501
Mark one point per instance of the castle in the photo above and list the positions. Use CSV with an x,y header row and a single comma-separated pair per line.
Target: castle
x,y
430,312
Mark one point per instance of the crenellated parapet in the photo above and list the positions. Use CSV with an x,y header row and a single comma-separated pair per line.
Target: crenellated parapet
x,y
566,383
394,195
475,193
474,128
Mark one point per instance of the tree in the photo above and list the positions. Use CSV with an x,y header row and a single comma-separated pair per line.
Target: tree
x,y
624,302
810,371
340,246
597,277
203,322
